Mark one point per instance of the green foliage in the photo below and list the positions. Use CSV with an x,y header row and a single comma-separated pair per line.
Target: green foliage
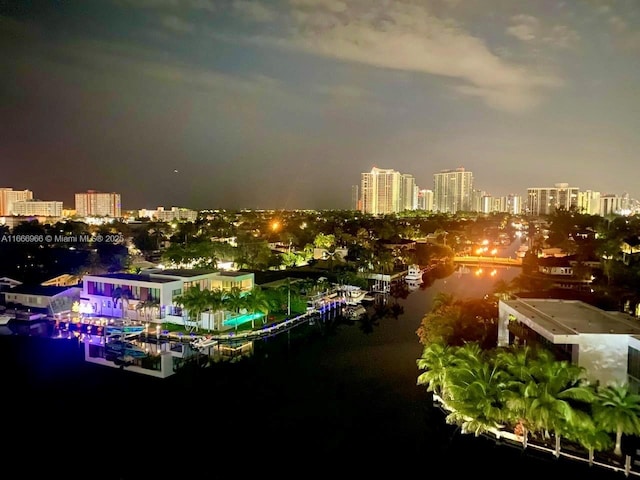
x,y
494,389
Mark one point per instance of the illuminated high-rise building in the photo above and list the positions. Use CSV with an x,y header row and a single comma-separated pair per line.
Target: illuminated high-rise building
x,y
544,201
380,191
98,204
589,202
425,200
8,196
452,190
408,192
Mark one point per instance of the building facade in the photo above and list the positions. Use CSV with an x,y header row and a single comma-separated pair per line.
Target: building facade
x,y
408,192
589,202
126,295
98,204
173,214
611,205
606,344
453,190
425,200
545,201
37,208
8,196
380,191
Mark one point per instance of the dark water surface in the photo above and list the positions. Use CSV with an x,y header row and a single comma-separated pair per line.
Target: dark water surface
x,y
339,399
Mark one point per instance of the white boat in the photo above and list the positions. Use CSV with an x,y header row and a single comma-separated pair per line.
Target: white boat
x,y
352,294
5,319
414,274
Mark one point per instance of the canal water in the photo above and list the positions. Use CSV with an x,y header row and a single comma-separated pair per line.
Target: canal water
x,y
335,398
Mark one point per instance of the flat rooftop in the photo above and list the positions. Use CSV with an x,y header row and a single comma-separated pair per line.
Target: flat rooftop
x,y
566,317
185,272
139,277
234,274
39,289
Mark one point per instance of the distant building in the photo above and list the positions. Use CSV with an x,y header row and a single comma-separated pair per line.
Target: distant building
x,y
545,201
425,200
8,196
452,190
380,191
98,204
589,202
611,204
175,213
37,207
514,204
355,198
408,193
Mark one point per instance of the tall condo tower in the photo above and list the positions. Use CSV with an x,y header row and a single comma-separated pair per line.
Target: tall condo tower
x,y
380,191
452,190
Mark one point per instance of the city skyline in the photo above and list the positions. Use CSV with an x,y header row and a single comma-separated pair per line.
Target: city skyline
x,y
282,105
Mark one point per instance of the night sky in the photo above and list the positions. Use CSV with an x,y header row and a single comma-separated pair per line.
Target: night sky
x,y
283,103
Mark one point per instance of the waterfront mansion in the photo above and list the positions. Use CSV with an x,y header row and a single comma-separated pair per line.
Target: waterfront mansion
x,y
151,296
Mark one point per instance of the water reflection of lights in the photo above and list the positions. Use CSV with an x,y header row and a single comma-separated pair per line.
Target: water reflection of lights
x,y
479,271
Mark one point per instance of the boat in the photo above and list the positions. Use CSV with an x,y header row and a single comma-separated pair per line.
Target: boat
x,y
204,342
414,274
354,312
5,319
352,294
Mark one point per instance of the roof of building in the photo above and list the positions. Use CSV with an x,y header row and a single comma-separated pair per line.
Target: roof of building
x,y
185,272
567,317
140,277
234,274
42,290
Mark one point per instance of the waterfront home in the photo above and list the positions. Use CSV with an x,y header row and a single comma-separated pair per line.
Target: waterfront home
x,y
151,296
606,344
44,299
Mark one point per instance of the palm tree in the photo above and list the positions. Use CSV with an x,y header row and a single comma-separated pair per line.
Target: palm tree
x,y
147,308
123,295
477,386
617,410
517,363
194,301
235,301
559,398
436,360
215,303
258,301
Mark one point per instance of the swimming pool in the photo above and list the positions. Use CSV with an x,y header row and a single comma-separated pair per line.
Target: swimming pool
x,y
242,319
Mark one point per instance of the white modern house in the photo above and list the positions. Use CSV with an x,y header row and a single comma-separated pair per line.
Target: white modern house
x,y
121,295
606,344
